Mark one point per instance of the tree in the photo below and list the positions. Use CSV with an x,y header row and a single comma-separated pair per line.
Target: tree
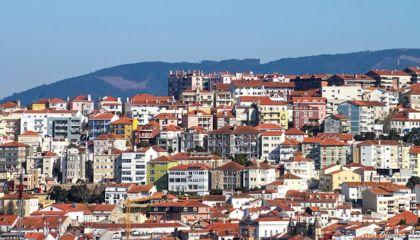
x,y
58,194
392,135
143,144
78,193
313,184
97,197
216,192
199,149
413,136
412,182
242,159
312,130
365,136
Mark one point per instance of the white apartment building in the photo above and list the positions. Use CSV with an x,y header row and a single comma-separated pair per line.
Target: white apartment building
x,y
270,145
339,94
131,168
364,116
389,97
387,201
301,166
118,193
271,226
192,178
258,174
73,165
405,120
382,154
37,120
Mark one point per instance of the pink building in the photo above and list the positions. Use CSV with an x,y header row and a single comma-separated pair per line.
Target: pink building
x,y
309,111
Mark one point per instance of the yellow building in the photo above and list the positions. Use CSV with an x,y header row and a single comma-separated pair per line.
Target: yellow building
x,y
332,177
41,104
124,126
274,112
157,171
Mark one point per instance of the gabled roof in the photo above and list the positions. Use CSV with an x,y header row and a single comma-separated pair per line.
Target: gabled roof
x,y
102,116
139,188
162,159
13,144
268,126
8,220
294,131
189,167
260,165
289,176
361,103
29,133
388,72
123,121
107,136
231,166
379,142
407,217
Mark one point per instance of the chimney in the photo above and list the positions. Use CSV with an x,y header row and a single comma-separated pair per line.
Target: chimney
x,y
89,97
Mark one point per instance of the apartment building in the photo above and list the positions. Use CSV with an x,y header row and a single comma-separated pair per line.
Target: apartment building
x,y
228,141
158,169
381,154
335,95
390,78
73,166
300,166
180,81
192,178
100,123
13,156
144,107
387,201
110,104
227,177
193,137
198,118
197,97
132,167
388,96
364,116
270,145
258,174
308,111
83,104
352,80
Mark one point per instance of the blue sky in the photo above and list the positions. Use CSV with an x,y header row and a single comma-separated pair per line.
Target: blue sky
x,y
47,40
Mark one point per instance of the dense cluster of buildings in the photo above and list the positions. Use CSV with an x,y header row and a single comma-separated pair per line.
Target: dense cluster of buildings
x,y
223,156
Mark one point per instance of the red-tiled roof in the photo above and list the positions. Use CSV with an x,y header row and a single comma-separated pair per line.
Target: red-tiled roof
x,y
30,133
139,188
107,136
7,220
379,142
13,144
268,126
294,131
389,72
362,103
190,167
102,116
231,166
407,217
272,133
123,121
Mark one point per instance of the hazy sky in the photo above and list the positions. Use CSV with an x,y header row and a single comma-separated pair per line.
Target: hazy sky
x,y
44,41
